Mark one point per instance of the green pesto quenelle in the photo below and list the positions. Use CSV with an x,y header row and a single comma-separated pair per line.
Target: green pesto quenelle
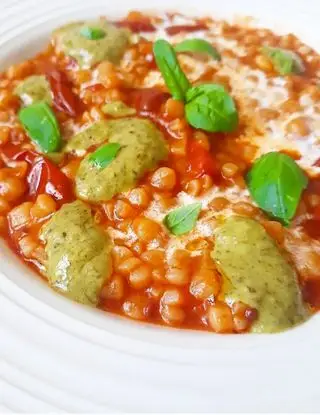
x,y
257,274
79,260
74,40
118,109
142,146
93,135
33,89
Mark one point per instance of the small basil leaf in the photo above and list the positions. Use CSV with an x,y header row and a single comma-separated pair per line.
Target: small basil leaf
x,y
276,183
284,61
104,155
92,33
183,219
210,107
198,46
170,69
199,90
42,126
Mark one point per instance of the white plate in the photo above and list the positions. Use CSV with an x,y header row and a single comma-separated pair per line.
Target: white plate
x,y
60,356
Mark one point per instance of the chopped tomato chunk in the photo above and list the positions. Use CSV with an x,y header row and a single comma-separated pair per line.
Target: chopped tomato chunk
x,y
200,160
45,177
149,100
64,99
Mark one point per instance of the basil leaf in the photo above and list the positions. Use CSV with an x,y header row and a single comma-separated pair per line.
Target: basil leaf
x,y
170,69
42,126
284,61
92,33
198,45
104,155
183,219
210,107
276,182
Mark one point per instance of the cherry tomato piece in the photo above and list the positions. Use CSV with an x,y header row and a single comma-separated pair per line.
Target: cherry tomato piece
x,y
14,153
149,99
201,161
45,177
64,99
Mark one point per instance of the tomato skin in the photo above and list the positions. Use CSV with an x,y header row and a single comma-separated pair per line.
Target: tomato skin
x,y
15,153
64,99
148,100
45,177
200,160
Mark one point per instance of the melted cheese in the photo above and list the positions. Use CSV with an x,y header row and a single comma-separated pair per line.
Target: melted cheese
x,y
204,227
246,84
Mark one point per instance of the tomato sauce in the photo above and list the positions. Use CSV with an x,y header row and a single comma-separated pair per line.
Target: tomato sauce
x,y
173,30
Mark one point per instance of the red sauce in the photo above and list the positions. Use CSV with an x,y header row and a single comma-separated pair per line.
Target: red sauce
x,y
137,26
312,227
148,100
174,30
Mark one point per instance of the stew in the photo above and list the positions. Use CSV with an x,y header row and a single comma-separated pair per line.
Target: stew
x,y
166,169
